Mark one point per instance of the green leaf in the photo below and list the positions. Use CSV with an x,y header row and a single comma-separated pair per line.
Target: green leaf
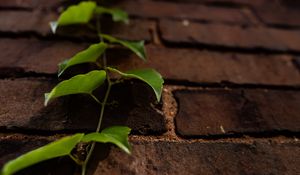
x,y
75,14
90,55
149,76
135,46
118,15
79,84
117,135
55,149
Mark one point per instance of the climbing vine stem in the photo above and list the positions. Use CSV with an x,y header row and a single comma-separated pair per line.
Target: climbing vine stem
x,y
98,126
87,83
103,104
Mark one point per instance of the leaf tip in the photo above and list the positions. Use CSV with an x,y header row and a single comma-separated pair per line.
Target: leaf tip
x,y
53,26
46,99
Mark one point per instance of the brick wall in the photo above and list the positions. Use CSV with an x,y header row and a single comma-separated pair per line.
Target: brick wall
x,y
231,102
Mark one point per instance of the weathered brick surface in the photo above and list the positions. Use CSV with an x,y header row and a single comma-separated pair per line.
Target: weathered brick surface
x,y
230,36
157,157
137,29
282,17
249,42
203,158
229,3
14,145
23,108
26,21
206,66
30,4
31,55
286,12
37,22
224,111
158,9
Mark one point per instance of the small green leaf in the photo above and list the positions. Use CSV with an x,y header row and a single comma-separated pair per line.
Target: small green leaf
x,y
79,84
90,55
117,135
75,14
118,15
135,46
55,149
149,76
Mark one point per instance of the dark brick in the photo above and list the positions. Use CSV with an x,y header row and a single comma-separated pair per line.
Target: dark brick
x,y
15,145
37,21
157,9
31,55
203,158
157,157
230,36
204,66
26,21
224,111
23,108
282,17
137,29
286,12
230,3
30,4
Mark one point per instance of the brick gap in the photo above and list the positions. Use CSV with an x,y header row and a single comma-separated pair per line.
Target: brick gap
x,y
222,4
222,48
13,73
14,8
244,139
170,110
225,84
16,72
296,62
260,135
155,34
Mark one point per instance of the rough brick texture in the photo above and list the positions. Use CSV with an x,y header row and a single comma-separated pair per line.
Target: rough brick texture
x,y
204,158
230,36
157,9
224,111
30,55
23,108
230,104
157,157
37,22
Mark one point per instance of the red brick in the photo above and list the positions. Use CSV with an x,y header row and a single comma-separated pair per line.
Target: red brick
x,y
252,3
37,21
14,145
286,12
157,9
40,56
203,158
32,55
204,66
221,111
165,157
30,4
230,36
22,107
26,21
282,17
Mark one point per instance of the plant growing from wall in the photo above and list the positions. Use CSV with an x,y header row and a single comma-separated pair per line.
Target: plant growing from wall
x,y
83,13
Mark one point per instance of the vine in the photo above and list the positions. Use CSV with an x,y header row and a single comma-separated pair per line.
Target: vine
x,y
83,13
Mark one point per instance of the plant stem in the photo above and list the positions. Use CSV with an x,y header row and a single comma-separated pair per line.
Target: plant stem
x,y
99,125
84,165
98,26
